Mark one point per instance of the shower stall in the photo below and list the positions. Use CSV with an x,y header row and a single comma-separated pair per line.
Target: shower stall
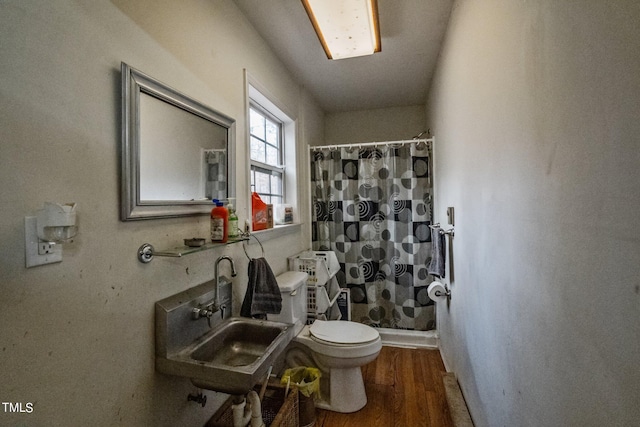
x,y
372,206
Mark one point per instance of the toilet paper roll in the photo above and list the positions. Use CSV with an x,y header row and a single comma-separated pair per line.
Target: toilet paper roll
x,y
437,291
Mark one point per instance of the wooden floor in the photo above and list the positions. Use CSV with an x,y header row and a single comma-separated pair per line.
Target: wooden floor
x,y
404,389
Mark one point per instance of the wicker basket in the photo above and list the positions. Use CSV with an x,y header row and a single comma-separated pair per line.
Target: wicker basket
x,y
277,411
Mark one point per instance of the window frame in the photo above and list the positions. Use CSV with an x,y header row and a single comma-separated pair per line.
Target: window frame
x,y
256,92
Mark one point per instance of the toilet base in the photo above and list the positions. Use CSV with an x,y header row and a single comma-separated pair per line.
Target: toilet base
x,y
346,391
341,384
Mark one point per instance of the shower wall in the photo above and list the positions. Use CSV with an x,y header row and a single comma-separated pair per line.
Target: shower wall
x,y
382,124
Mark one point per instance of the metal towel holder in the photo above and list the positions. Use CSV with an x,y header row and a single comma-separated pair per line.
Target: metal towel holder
x,y
244,246
450,231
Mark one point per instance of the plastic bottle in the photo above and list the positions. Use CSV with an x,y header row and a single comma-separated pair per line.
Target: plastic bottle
x,y
233,222
219,222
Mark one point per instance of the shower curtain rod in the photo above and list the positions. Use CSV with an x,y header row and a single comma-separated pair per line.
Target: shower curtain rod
x,y
370,144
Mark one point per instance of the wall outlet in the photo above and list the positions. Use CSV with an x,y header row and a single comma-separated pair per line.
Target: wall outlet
x,y
37,252
45,248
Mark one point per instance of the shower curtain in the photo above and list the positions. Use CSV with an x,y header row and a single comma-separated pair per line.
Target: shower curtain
x,y
372,207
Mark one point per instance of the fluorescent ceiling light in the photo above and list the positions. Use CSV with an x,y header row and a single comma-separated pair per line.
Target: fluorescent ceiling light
x,y
346,28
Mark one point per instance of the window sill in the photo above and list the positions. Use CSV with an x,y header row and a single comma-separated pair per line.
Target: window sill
x,y
275,232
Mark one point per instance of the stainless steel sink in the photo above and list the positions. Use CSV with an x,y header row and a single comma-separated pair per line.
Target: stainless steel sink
x,y
237,354
238,342
230,357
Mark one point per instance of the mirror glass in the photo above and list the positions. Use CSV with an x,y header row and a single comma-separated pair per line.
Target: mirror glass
x,y
176,151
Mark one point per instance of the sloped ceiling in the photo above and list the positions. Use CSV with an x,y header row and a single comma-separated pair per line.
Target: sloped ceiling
x,y
411,30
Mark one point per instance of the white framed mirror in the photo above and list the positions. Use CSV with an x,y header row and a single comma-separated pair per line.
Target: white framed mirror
x,y
177,154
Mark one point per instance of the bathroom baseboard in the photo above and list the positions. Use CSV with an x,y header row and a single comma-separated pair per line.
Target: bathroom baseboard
x,y
455,400
408,339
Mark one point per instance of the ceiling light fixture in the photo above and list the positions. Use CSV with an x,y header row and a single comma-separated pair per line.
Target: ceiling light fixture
x,y
346,28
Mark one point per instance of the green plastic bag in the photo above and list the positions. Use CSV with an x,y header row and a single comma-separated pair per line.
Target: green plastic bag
x,y
307,380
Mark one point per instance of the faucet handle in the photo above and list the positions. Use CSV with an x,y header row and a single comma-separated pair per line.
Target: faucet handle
x,y
207,310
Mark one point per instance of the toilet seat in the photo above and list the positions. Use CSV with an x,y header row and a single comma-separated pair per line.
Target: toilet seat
x,y
342,333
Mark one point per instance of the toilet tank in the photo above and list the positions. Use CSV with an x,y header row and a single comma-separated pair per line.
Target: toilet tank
x,y
293,288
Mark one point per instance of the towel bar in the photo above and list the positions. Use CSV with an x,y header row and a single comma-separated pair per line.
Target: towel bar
x,y
450,231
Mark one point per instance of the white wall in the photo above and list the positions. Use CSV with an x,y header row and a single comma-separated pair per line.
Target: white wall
x,y
77,337
381,124
535,109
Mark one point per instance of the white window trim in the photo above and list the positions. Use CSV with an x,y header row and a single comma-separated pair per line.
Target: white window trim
x,y
255,91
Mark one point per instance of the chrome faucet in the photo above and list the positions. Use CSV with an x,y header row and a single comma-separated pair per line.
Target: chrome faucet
x,y
217,278
207,310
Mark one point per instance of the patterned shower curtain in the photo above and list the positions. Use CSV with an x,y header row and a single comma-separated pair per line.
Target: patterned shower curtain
x,y
372,207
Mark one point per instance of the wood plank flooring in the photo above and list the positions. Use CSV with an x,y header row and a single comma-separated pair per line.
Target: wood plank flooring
x,y
404,389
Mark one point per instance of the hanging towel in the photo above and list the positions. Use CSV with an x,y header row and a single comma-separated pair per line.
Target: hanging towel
x,y
263,293
438,255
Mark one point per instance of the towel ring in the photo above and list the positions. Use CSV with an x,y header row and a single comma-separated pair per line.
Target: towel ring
x,y
244,246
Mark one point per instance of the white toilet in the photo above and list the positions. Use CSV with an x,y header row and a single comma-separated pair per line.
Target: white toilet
x,y
338,348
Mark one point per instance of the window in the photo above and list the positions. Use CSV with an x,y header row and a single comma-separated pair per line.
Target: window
x,y
266,147
271,152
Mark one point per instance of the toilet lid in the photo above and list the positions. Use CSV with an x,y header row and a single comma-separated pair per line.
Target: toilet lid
x,y
341,332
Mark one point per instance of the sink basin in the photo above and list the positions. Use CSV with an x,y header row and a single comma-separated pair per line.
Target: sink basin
x,y
239,342
232,357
